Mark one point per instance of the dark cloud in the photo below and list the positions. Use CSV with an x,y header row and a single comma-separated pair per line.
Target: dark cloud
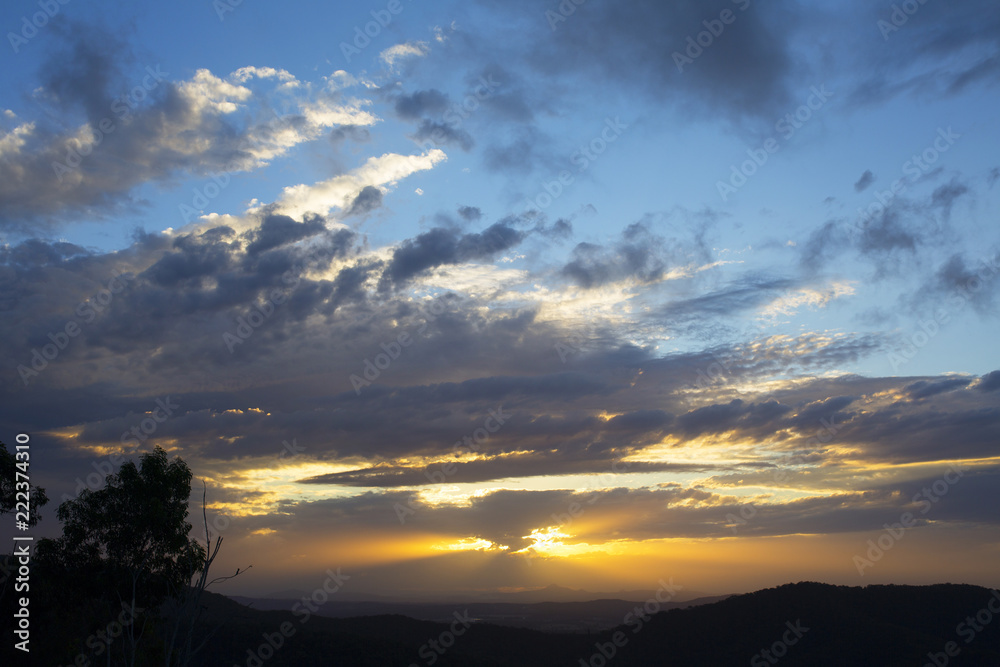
x,y
442,134
559,230
736,414
192,261
356,133
989,382
749,293
279,230
866,179
521,154
639,255
816,413
612,512
824,244
440,120
36,253
745,73
922,56
54,178
441,246
944,196
421,103
886,234
924,389
993,176
369,199
469,213
507,467
958,282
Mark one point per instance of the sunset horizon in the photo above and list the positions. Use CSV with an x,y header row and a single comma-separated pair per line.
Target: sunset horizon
x,y
497,301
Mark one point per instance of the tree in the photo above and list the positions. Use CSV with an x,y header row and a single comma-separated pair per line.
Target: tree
x,y
8,485
184,608
9,489
125,549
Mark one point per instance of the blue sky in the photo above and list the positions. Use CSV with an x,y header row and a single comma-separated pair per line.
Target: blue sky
x,y
603,214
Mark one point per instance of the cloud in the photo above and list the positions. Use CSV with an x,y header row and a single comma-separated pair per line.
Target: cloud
x,y
989,382
320,198
959,282
925,389
559,230
398,52
825,243
866,179
421,103
945,50
638,255
51,175
442,134
470,213
886,234
748,293
944,196
441,246
369,199
747,72
278,230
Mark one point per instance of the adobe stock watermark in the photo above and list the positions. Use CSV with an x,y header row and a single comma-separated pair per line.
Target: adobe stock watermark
x,y
893,533
373,368
456,114
931,327
968,629
714,28
140,433
259,313
828,428
87,310
779,649
563,11
468,443
218,181
303,611
585,155
577,344
576,508
290,449
382,18
432,650
915,167
201,196
101,641
639,616
901,13
223,7
103,468
30,27
133,437
122,108
786,127
716,371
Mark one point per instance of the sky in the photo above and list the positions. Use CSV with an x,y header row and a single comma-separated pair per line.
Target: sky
x,y
462,297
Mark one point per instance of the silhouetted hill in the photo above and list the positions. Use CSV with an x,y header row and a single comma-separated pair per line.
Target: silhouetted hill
x,y
589,616
875,625
812,624
550,593
376,641
823,625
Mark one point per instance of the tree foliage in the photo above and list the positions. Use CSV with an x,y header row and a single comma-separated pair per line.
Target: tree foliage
x,y
134,526
8,488
125,547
